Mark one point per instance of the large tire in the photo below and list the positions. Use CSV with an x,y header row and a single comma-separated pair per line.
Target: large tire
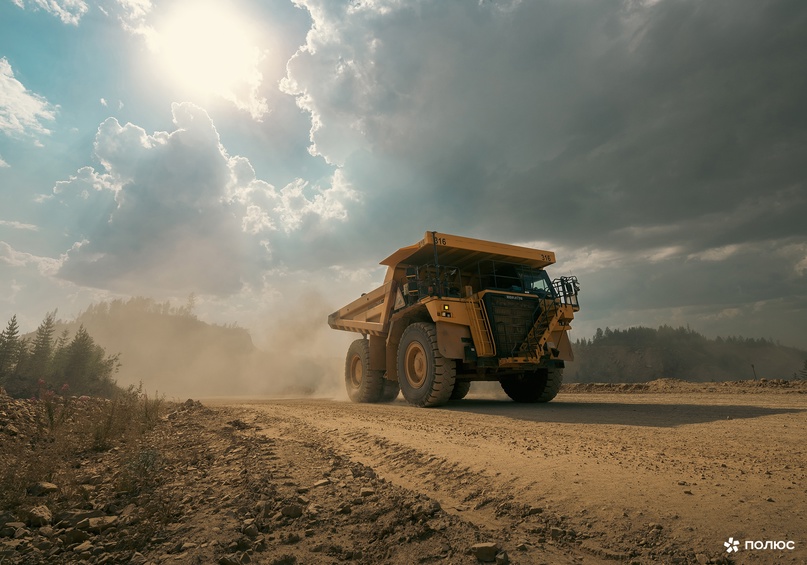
x,y
553,382
461,389
389,391
362,384
425,376
541,385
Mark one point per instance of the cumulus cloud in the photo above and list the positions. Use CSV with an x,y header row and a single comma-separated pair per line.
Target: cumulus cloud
x,y
22,113
19,225
174,212
108,104
11,257
68,11
135,9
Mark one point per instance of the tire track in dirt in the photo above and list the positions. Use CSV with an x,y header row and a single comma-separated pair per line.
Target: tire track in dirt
x,y
472,496
660,476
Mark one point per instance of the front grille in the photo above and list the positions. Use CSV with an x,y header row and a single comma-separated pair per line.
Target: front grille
x,y
511,319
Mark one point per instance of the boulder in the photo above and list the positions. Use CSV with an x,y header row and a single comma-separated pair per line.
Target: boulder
x,y
39,516
41,489
292,511
485,551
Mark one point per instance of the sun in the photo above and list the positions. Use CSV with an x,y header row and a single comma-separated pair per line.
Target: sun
x,y
208,49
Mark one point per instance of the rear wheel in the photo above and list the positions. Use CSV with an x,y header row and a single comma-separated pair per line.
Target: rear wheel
x,y
461,389
541,385
425,376
362,384
389,391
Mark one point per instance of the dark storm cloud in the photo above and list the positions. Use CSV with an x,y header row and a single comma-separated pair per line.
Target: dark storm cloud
x,y
601,115
658,146
704,106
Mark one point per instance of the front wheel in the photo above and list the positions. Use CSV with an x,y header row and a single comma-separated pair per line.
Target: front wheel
x,y
554,379
362,384
425,376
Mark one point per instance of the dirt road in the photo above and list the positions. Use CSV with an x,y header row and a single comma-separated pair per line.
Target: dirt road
x,y
590,477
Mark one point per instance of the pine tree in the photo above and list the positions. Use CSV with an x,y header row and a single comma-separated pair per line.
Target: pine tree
x,y
87,369
9,348
803,372
77,362
39,363
189,307
58,365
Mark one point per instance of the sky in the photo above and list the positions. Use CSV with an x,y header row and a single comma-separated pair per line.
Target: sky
x,y
265,155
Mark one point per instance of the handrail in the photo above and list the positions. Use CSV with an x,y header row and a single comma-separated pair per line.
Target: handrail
x,y
567,290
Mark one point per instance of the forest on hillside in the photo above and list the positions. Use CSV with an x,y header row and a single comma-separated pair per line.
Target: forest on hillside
x,y
168,349
152,342
45,362
164,349
641,354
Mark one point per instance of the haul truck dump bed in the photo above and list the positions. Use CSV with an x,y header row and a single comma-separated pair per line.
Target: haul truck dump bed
x,y
453,310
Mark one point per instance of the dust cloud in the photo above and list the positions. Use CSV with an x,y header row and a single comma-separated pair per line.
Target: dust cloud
x,y
174,354
300,353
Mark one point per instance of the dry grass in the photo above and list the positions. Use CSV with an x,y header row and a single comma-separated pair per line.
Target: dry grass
x,y
57,430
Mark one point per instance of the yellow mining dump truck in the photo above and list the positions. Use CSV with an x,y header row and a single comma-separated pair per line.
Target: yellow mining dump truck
x,y
453,310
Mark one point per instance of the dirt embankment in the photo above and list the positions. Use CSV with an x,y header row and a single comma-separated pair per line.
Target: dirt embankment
x,y
667,473
206,486
679,386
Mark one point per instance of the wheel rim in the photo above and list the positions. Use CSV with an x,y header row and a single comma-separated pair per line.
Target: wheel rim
x,y
417,365
356,371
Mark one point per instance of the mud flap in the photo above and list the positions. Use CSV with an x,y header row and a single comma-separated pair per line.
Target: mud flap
x,y
452,339
378,353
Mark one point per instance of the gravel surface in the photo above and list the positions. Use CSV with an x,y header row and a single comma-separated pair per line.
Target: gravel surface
x,y
662,472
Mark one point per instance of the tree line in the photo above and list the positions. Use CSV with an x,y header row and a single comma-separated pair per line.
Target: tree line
x,y
77,364
641,354
162,346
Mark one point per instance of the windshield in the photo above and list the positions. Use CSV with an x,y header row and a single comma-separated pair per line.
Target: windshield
x,y
501,275
537,282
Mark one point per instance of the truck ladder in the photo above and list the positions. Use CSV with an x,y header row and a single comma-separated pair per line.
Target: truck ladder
x,y
480,328
533,345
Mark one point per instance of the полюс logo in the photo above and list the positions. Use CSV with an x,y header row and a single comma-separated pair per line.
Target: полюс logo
x,y
732,545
